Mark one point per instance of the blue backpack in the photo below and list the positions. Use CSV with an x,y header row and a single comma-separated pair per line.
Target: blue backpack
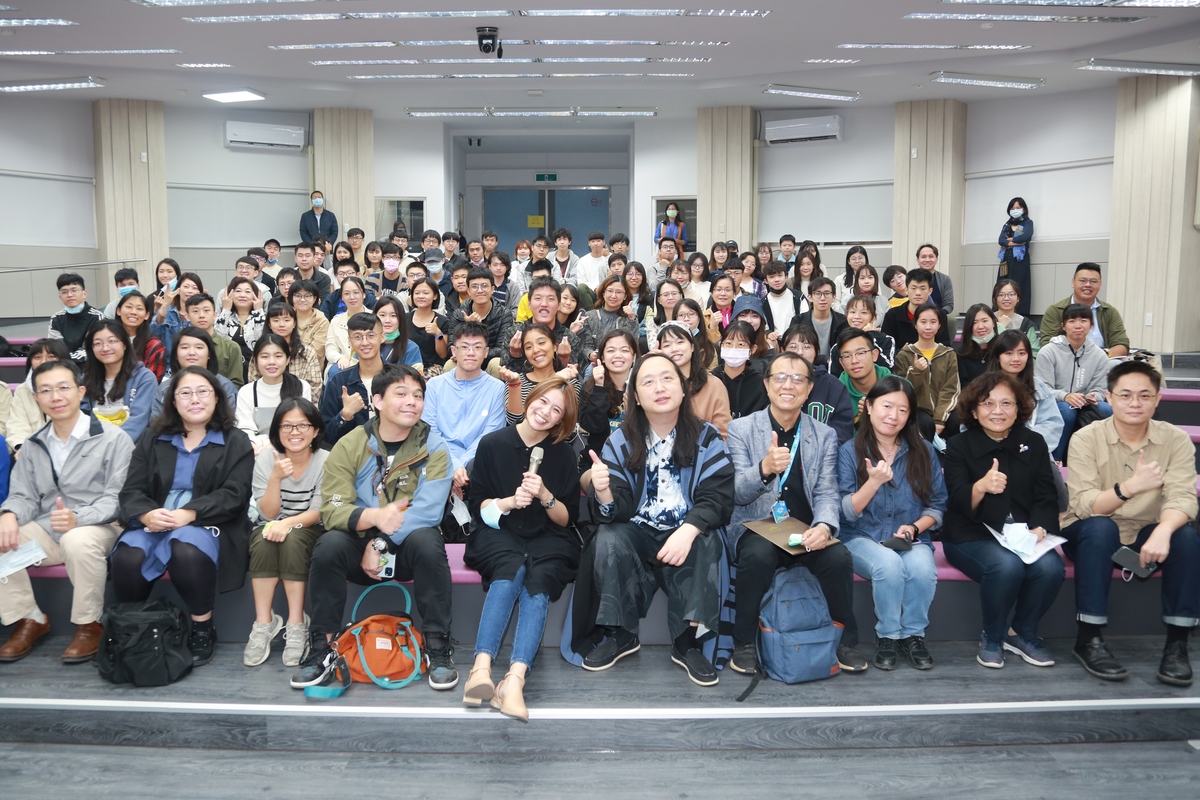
x,y
797,640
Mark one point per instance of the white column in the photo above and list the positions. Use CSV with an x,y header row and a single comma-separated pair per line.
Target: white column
x,y
344,166
726,178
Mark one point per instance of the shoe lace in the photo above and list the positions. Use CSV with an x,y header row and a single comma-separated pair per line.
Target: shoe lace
x,y
260,636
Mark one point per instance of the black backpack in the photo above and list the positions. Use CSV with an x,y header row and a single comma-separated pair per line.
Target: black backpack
x,y
144,644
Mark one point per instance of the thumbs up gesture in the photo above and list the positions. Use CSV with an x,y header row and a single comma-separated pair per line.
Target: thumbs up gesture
x,y
995,481
600,476
1146,477
283,467
777,458
62,519
878,473
351,404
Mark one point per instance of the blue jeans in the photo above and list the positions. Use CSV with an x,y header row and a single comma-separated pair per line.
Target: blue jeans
x,y
1006,581
1091,543
1069,413
531,619
902,585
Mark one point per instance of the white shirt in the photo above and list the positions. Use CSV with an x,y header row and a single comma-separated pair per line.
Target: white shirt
x,y
590,271
782,310
59,450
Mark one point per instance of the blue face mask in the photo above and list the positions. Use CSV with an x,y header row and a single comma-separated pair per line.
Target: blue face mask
x,y
1016,213
318,202
983,339
173,284
76,310
124,290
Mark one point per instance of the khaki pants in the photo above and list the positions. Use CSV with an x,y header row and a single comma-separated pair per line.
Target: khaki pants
x,y
85,552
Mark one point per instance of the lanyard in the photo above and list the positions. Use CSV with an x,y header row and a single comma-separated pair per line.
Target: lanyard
x,y
792,459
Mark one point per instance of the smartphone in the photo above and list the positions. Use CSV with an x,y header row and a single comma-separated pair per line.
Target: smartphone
x,y
1128,559
387,566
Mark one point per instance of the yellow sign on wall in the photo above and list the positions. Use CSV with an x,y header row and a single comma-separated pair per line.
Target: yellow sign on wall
x,y
537,222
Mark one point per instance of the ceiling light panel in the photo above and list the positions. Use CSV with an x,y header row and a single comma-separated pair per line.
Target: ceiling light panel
x,y
483,61
368,62
427,14
832,61
897,46
51,85
392,77
616,112
993,81
118,52
445,112
696,44
268,18
235,96
204,66
1139,67
531,112
589,42
1018,17
28,52
603,12
818,94
710,12
596,60
35,23
329,45
185,3
456,42
498,75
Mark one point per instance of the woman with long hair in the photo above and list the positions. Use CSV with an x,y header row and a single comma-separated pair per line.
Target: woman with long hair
x,y
709,400
932,369
602,407
1006,296
337,342
667,295
690,314
166,272
170,314
612,296
979,328
808,269
718,257
751,273
119,389
134,314
397,347
1015,235
698,285
426,327
541,352
242,319
671,226
856,257
866,283
724,292
193,347
257,400
303,362
888,473
570,310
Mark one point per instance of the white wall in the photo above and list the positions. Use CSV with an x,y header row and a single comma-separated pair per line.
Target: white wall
x,y
410,161
663,165
831,191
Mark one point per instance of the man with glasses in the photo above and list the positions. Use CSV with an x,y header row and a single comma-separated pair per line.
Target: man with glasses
x,y
821,317
1108,329
62,497
858,355
786,466
899,323
1132,484
345,403
72,322
828,400
480,308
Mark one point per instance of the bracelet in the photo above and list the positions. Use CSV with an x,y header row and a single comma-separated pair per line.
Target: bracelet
x,y
1117,491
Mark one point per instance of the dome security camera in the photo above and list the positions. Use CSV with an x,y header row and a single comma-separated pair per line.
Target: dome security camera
x,y
489,40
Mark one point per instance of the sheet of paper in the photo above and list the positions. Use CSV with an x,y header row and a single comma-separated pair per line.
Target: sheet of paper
x,y
1048,543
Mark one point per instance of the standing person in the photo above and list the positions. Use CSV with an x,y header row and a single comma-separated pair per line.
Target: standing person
x,y
591,268
193,348
1076,370
285,505
860,313
781,457
318,221
979,329
190,475
426,327
1006,295
932,368
707,397
25,415
257,400
671,226
303,362
998,471
563,256
242,319
893,495
170,315
522,545
1015,235
662,493
135,319
367,513
1132,484
942,289
119,389
62,494
846,284
72,322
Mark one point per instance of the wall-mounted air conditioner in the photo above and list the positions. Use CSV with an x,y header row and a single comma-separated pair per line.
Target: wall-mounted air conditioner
x,y
256,135
808,129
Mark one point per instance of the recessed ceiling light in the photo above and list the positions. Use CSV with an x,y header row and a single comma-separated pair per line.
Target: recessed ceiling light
x,y
268,18
897,46
329,45
1139,67
368,62
531,112
235,96
28,52
51,84
596,60
1018,18
427,14
818,94
603,12
616,112
34,23
831,61
204,66
710,12
119,52
994,81
445,112
586,42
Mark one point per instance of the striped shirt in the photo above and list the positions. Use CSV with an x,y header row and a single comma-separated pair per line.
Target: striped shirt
x,y
296,495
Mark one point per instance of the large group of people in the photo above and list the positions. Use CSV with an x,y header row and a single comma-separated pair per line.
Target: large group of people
x,y
602,421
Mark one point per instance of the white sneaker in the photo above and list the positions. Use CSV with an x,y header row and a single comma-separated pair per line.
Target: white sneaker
x,y
258,649
295,637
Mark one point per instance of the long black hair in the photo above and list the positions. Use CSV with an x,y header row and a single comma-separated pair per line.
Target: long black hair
x,y
698,375
660,313
280,308
644,297
141,337
1007,342
400,345
613,396
169,420
540,327
94,373
708,352
919,472
969,348
193,333
848,277
292,386
636,427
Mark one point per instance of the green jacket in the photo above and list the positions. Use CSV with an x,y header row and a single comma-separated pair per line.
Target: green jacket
x,y
229,359
937,386
1112,327
855,395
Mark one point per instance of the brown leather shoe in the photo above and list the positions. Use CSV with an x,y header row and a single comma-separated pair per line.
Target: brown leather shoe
x,y
23,636
85,644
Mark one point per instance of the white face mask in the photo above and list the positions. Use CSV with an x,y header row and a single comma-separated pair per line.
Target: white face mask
x,y
1016,213
735,356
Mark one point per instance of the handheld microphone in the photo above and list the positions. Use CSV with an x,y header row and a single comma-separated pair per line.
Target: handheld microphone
x,y
535,460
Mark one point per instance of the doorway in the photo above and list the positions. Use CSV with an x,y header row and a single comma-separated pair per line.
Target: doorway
x,y
516,214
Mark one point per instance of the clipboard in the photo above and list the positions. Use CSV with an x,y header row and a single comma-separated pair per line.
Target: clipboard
x,y
777,533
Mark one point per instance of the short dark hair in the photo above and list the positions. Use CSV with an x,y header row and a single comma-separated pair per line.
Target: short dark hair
x,y
816,283
1125,368
390,249
775,268
475,241
169,421
346,262
355,232
395,373
70,279
430,234
618,238
788,355
542,283
541,264
257,252
362,321
470,328
932,247
125,274
450,235
295,273
624,259
541,237
850,334
560,233
918,275
1077,311
489,234
978,390
892,272
787,237
1088,266
805,333
45,346
310,412
303,246
596,235
479,273
65,363
203,297
303,285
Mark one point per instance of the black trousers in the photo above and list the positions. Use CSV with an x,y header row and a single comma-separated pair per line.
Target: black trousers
x,y
757,561
193,573
421,558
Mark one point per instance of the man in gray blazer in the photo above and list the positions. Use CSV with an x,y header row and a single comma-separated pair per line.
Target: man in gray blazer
x,y
770,466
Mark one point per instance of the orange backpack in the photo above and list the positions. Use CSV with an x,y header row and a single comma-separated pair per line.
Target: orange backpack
x,y
382,649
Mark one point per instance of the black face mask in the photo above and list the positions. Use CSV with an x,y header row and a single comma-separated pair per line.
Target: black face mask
x,y
776,293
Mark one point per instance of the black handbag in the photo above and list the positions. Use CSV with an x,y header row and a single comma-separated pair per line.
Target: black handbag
x,y
144,644
1086,416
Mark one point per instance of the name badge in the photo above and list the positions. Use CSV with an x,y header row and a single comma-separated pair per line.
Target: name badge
x,y
779,511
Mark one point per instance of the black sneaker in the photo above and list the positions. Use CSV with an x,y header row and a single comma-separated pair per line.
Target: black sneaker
x,y
317,666
620,644
886,654
439,662
849,659
1175,668
744,658
203,643
915,651
699,669
1097,659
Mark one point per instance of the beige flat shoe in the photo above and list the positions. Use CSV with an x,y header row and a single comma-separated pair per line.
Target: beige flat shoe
x,y
509,698
479,687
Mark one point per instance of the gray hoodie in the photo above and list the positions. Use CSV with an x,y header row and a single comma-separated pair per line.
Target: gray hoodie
x,y
1067,370
89,483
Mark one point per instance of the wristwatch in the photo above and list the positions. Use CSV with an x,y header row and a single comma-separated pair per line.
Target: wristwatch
x,y
380,544
551,504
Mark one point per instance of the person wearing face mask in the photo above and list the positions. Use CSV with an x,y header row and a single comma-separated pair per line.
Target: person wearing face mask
x,y
318,221
671,226
979,328
127,282
390,279
740,372
1015,235
72,321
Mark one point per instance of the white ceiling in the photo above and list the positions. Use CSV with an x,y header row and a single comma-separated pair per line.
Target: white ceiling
x,y
764,50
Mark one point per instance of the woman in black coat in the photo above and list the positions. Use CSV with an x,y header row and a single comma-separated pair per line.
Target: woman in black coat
x,y
184,504
522,542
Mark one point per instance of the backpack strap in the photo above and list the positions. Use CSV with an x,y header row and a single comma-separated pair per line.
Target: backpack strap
x,y
407,598
386,683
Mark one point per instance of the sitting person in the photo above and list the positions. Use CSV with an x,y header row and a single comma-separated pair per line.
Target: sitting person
x,y
608,315
667,295
184,505
932,368
602,408
979,329
521,543
481,308
890,475
134,315
858,357
242,318
544,363
119,389
426,327
895,278
285,504
1108,329
72,322
860,313
941,288
304,362
661,493
739,371
257,400
779,457
338,353
828,400
193,347
998,471
333,305
170,311
781,303
707,398
900,322
345,402
1006,294
397,347
25,415
62,494
1076,370
201,313
544,294
822,318
1132,484
313,327
367,514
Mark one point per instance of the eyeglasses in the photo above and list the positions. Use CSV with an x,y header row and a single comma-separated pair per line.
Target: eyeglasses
x,y
50,391
300,427
470,348
479,287
69,291
823,295
1127,398
855,356
669,295
359,338
992,405
1088,281
199,394
1006,296
302,296
663,380
780,378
